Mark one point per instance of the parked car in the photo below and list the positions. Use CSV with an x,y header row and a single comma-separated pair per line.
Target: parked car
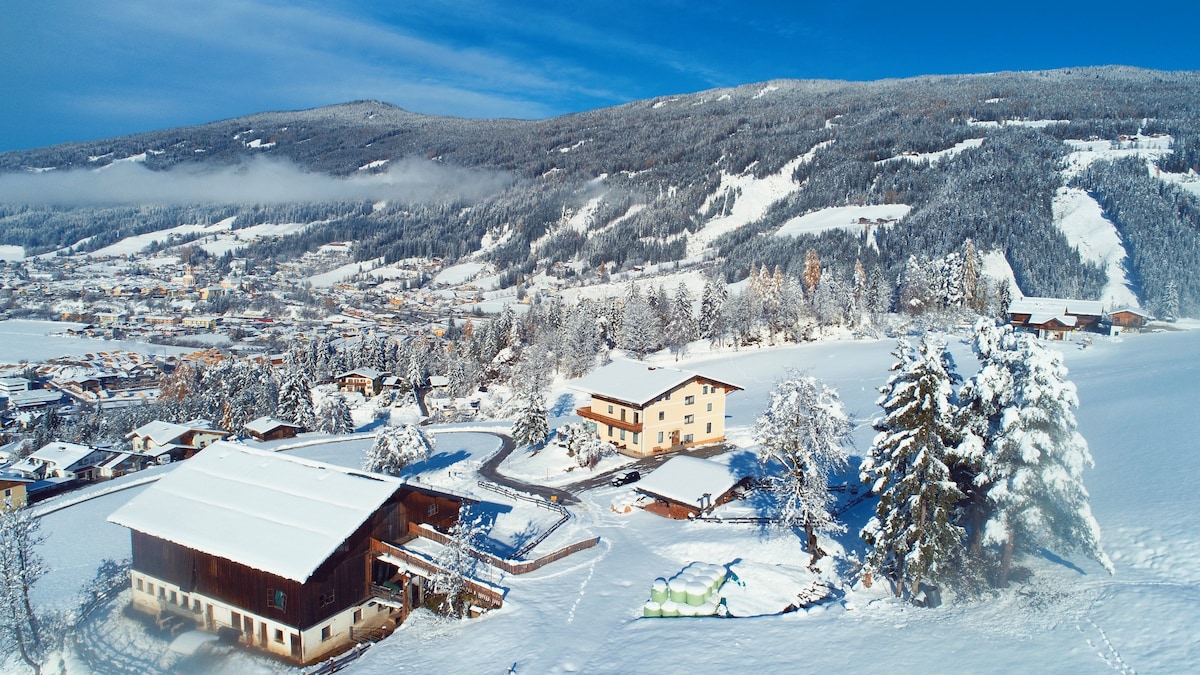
x,y
627,477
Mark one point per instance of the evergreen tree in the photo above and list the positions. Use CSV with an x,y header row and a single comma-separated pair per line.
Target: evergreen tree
x,y
711,324
456,563
639,326
913,535
531,427
681,329
804,429
295,399
333,417
1033,466
1168,305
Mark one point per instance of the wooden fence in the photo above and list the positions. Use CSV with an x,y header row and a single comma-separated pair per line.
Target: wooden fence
x,y
510,566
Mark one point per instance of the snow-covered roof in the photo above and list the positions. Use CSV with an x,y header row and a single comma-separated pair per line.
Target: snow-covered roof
x,y
280,514
164,433
1131,310
686,480
1056,306
60,454
267,424
369,373
1041,318
636,382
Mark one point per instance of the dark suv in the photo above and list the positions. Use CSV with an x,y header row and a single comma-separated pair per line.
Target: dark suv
x,y
627,477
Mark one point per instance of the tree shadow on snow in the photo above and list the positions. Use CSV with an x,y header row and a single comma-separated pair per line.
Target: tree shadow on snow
x,y
437,462
563,406
1065,563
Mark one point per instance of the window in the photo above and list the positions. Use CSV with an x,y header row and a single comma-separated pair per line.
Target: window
x,y
688,419
162,593
357,616
326,633
610,409
276,599
636,416
660,437
184,602
610,431
635,438
431,510
708,428
279,636
195,605
174,598
326,598
622,434
709,408
704,389
687,438
661,415
689,400
138,583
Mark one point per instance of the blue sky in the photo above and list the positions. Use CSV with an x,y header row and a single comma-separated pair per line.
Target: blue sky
x,y
88,69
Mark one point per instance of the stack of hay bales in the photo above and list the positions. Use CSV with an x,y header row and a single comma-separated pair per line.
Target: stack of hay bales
x,y
694,591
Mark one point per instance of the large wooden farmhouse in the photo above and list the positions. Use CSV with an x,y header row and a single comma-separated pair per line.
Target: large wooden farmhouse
x,y
296,557
643,409
1055,318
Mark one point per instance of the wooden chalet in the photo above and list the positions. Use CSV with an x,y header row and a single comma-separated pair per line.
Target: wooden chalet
x,y
1055,318
366,381
686,487
270,429
1125,319
299,558
644,410
167,441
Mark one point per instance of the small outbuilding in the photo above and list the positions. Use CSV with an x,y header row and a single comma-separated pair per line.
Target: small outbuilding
x,y
685,487
270,429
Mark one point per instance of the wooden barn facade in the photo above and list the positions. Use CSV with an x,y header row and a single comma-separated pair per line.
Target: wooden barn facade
x,y
279,552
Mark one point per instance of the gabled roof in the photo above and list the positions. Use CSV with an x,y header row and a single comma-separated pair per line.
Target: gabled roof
x,y
636,382
267,424
166,433
686,480
1131,310
272,512
60,454
369,373
1056,306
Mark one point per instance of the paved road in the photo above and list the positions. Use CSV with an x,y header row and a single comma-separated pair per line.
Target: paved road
x,y
489,470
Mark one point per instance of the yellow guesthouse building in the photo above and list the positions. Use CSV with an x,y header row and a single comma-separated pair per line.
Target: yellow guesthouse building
x,y
643,409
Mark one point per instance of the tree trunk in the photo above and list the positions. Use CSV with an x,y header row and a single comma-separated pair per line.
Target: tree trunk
x,y
1006,561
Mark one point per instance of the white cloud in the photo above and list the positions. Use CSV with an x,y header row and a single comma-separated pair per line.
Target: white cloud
x,y
261,181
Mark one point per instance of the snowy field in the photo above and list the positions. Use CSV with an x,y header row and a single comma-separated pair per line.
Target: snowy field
x,y
582,614
27,340
840,218
12,253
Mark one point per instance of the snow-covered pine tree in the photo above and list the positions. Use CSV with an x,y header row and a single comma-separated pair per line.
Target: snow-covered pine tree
x,y
640,333
333,416
712,299
295,399
1168,304
913,535
531,427
804,429
580,342
396,448
681,328
1033,465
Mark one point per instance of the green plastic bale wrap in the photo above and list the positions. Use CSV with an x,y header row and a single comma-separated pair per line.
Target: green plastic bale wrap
x,y
658,592
697,593
677,589
652,608
669,608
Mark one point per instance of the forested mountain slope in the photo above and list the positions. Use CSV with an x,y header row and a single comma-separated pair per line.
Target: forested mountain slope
x,y
709,176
